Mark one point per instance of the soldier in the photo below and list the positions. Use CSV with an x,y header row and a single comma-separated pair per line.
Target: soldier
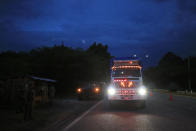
x,y
19,101
51,93
29,102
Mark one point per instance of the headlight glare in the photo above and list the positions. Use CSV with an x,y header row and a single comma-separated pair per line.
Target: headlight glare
x,y
111,91
142,91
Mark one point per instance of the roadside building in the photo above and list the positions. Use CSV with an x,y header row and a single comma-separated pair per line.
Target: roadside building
x,y
16,88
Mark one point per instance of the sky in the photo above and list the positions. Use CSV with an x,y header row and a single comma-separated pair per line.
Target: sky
x,y
142,27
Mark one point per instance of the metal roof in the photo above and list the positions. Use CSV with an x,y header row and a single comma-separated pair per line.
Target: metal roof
x,y
42,79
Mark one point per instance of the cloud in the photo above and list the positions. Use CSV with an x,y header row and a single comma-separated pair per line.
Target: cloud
x,y
187,5
7,25
22,8
126,26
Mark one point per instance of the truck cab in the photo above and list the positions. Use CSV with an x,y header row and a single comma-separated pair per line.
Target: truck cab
x,y
126,81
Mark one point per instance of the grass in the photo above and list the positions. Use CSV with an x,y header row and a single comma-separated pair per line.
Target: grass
x,y
43,116
180,93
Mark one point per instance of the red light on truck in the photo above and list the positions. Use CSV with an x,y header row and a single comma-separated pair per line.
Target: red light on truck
x,y
122,84
130,84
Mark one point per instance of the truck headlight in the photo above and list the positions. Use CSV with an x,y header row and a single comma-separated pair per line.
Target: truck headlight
x,y
111,91
142,91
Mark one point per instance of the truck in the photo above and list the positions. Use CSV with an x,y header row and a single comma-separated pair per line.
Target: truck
x,y
126,81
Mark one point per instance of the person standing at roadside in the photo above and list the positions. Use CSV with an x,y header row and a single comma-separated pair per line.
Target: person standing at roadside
x,y
29,98
51,94
19,101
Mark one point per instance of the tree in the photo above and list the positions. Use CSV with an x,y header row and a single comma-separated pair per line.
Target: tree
x,y
68,66
171,70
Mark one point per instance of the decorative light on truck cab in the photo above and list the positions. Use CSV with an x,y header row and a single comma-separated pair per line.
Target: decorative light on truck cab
x,y
130,84
119,80
126,67
122,84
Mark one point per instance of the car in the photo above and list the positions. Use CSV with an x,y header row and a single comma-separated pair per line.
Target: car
x,y
90,91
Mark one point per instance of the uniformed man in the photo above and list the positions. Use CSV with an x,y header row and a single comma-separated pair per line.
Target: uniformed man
x,y
29,101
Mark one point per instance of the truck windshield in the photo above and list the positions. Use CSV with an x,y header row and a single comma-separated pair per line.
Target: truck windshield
x,y
126,72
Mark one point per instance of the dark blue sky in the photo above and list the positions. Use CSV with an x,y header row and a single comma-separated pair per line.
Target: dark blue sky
x,y
128,26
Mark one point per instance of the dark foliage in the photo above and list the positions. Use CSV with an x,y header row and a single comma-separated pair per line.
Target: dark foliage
x,y
171,73
70,67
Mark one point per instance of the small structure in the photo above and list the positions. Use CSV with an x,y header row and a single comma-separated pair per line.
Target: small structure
x,y
16,88
44,89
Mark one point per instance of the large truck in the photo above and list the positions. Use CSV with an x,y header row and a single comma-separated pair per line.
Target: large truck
x,y
126,81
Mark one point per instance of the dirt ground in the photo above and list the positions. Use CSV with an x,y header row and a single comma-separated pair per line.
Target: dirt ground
x,y
45,118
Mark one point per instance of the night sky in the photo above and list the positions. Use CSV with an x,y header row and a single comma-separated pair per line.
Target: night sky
x,y
128,27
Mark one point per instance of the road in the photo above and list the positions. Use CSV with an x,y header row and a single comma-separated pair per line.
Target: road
x,y
160,114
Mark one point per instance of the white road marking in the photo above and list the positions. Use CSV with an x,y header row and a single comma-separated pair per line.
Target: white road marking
x,y
80,117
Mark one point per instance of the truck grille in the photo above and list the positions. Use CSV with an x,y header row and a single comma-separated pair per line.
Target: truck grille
x,y
126,92
126,84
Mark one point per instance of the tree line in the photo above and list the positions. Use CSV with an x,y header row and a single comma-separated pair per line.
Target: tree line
x,y
173,73
70,67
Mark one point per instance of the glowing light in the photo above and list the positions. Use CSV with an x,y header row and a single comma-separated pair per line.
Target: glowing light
x,y
126,67
122,84
111,91
142,91
97,89
79,90
130,84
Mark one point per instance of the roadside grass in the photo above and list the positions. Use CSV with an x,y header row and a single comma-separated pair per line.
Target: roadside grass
x,y
44,116
12,121
180,93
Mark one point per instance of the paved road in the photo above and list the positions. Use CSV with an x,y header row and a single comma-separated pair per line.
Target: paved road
x,y
159,115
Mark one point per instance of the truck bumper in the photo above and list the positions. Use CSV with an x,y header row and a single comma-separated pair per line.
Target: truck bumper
x,y
126,97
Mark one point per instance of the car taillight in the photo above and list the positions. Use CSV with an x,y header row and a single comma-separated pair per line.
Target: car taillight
x,y
79,90
97,90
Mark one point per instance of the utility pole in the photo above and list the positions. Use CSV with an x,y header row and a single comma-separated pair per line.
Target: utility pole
x,y
189,74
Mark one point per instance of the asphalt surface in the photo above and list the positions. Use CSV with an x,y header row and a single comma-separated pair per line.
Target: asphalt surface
x,y
160,114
